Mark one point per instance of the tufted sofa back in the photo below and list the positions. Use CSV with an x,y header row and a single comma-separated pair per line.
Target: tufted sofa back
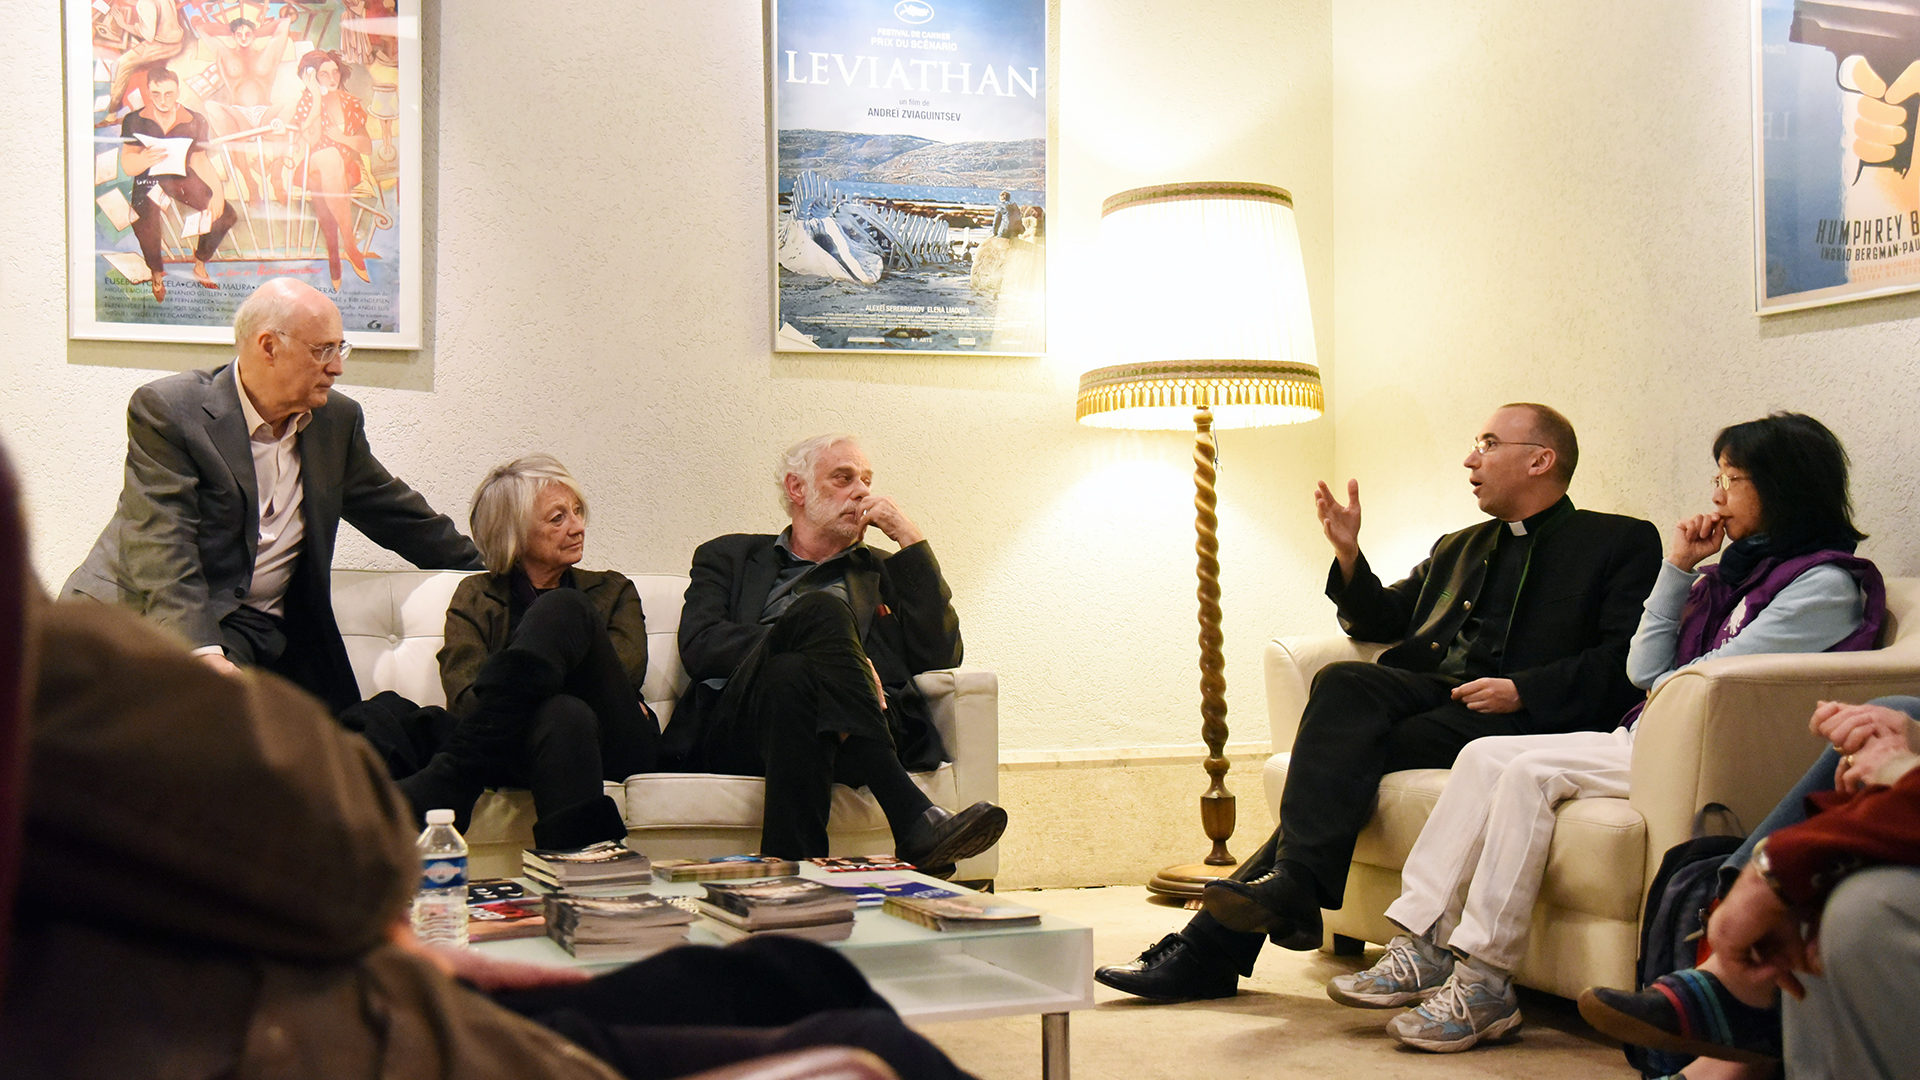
x,y
395,621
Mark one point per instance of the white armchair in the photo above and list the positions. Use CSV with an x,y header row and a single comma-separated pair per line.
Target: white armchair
x,y
393,622
1731,731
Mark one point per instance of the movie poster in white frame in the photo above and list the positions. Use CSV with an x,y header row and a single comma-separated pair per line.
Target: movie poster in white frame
x,y
1836,87
213,145
910,165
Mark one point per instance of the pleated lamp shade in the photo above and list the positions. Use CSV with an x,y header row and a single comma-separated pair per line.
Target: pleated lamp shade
x,y
1209,300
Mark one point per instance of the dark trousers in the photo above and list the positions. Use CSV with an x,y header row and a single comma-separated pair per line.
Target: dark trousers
x,y
593,728
253,638
698,1007
785,713
191,191
1361,721
558,715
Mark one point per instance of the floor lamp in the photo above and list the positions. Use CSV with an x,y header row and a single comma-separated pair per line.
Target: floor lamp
x,y
1212,329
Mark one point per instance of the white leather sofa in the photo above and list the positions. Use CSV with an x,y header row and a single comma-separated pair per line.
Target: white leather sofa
x,y
394,620
1732,731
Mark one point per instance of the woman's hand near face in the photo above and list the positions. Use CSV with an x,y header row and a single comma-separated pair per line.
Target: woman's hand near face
x,y
1695,538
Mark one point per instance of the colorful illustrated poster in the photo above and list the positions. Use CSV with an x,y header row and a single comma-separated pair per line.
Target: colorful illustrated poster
x,y
1836,191
910,175
214,145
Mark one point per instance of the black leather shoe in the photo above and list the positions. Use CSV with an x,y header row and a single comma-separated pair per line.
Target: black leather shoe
x,y
1278,903
943,837
1173,970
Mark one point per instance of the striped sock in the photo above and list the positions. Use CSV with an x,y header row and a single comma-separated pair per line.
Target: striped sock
x,y
1709,1013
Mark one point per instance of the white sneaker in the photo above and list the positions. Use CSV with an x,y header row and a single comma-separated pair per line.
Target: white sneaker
x,y
1402,976
1465,1011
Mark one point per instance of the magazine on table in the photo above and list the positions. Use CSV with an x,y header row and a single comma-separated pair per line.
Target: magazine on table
x,y
487,890
608,862
724,866
782,901
639,909
504,920
960,911
727,933
848,864
874,893
614,927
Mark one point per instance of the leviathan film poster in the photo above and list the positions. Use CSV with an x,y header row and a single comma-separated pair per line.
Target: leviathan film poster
x,y
910,175
215,144
1836,88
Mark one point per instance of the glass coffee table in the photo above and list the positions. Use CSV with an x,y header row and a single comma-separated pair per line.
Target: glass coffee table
x,y
925,974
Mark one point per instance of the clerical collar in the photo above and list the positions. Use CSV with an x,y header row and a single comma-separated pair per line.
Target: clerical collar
x,y
1528,525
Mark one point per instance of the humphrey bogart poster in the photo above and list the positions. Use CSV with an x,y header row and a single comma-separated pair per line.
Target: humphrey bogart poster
x,y
1836,88
910,175
214,144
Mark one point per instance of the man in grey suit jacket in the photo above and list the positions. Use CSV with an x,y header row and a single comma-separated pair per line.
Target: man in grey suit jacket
x,y
237,480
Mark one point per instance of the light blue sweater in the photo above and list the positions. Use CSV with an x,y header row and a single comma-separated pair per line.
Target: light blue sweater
x,y
1815,612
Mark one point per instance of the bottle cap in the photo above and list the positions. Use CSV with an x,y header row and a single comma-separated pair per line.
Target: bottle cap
x,y
439,817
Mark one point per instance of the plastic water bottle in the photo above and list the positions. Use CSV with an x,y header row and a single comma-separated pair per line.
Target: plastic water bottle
x,y
440,907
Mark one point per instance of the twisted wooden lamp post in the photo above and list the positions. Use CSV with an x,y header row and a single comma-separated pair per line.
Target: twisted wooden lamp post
x,y
1216,327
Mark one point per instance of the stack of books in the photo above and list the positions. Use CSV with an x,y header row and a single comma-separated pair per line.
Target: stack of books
x,y
500,910
614,927
605,863
943,909
782,905
724,866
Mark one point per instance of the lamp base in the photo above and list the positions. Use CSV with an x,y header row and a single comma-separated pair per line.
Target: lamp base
x,y
1182,883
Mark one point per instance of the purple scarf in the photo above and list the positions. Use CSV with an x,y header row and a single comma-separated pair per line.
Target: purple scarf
x,y
1716,611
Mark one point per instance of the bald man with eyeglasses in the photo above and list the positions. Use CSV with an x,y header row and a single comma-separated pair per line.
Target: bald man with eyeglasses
x,y
1518,625
237,480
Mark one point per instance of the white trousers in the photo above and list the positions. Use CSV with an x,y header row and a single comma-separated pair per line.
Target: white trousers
x,y
1470,881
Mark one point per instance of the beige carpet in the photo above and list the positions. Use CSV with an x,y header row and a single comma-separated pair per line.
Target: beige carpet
x,y
1281,1026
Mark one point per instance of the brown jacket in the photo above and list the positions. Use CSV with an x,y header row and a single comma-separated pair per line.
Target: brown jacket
x,y
477,628
211,870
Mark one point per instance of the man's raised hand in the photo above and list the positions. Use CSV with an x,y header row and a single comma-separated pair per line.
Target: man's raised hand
x,y
1340,523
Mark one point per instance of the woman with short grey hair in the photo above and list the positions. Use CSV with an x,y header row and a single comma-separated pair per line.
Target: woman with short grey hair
x,y
542,664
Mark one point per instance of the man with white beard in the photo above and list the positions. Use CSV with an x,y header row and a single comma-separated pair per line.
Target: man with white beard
x,y
802,648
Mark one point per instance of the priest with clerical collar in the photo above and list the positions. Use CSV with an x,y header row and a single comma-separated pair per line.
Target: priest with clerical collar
x,y
1517,625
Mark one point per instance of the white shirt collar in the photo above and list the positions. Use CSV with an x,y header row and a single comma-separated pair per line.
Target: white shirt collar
x,y
252,415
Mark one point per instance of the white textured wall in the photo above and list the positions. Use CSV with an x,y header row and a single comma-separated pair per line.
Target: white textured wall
x,y
1553,201
596,194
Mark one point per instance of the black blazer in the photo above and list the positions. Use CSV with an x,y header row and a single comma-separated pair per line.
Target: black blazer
x,y
903,607
1587,578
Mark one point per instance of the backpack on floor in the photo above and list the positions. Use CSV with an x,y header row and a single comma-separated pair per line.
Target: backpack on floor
x,y
1674,935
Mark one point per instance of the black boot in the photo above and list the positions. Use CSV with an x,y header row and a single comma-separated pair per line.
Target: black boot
x,y
444,784
511,683
576,826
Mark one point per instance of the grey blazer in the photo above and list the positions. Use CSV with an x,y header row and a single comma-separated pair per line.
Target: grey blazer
x,y
180,548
